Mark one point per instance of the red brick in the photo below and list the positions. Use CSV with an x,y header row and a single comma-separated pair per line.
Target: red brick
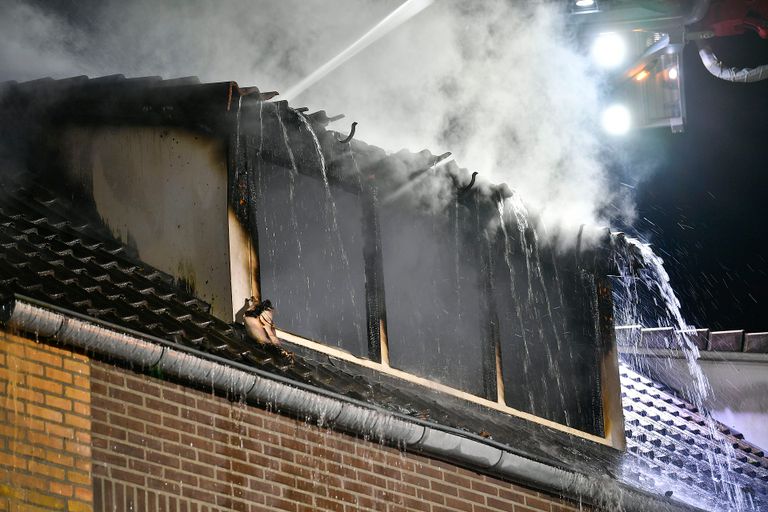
x,y
176,424
58,375
162,406
213,460
358,487
59,430
81,381
143,414
28,395
198,494
296,470
78,477
511,496
77,421
294,444
430,496
127,397
187,399
459,505
326,504
197,443
77,394
180,476
299,497
162,433
198,469
108,431
372,479
45,413
43,356
485,488
279,478
144,441
109,374
537,503
58,403
388,472
48,470
401,488
448,489
416,480
81,408
37,438
145,468
162,459
44,384
180,450
212,434
416,504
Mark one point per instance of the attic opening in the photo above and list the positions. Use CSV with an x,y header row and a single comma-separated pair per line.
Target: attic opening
x,y
378,259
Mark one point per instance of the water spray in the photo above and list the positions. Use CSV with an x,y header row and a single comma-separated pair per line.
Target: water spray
x,y
418,176
403,13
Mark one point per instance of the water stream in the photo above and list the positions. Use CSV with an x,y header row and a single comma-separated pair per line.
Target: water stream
x,y
529,247
335,232
400,15
640,269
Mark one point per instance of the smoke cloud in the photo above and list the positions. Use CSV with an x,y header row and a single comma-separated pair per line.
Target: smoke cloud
x,y
500,84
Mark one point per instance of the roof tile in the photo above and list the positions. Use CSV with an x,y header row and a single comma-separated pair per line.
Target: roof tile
x,y
756,342
725,341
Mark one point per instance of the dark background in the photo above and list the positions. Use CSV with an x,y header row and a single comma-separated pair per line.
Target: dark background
x,y
704,207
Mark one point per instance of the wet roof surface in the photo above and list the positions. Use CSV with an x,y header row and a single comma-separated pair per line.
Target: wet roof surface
x,y
58,252
674,439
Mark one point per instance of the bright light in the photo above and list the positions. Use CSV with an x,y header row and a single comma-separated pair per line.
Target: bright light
x,y
642,75
585,3
609,50
616,120
672,73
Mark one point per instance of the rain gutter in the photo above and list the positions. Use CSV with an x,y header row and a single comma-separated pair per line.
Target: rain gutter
x,y
338,411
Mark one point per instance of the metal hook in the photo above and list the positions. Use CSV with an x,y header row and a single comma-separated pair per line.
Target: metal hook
x,y
351,134
464,190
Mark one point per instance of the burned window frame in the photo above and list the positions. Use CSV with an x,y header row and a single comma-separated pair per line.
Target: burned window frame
x,y
367,163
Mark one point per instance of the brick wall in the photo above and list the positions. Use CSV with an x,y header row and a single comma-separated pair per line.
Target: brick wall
x,y
79,435
159,446
45,453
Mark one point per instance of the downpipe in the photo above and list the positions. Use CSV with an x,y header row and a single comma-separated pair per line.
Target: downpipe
x,y
326,408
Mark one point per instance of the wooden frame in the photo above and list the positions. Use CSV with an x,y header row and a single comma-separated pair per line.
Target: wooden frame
x,y
496,405
378,344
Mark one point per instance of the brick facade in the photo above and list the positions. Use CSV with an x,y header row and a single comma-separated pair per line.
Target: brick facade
x,y
158,446
167,447
45,425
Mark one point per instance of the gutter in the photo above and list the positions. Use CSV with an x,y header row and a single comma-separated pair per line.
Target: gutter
x,y
256,386
704,355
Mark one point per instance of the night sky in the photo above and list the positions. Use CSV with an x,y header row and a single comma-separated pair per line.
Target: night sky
x,y
705,206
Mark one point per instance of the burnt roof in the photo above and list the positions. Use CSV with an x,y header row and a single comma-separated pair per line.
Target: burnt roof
x,y
57,251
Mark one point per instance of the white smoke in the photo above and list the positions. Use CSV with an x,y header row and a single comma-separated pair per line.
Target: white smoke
x,y
498,83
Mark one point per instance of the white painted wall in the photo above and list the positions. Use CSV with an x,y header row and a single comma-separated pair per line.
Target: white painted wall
x,y
164,191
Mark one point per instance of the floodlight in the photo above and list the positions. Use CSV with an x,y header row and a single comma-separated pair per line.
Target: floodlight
x,y
616,120
672,73
609,50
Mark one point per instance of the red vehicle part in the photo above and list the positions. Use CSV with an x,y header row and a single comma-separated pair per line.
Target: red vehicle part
x,y
734,17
